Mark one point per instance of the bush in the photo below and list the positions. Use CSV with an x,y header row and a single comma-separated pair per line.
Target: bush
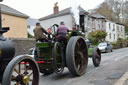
x,y
114,44
30,36
121,43
97,36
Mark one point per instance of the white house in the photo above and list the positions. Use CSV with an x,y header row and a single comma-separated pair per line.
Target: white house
x,y
114,31
31,25
120,30
98,22
65,16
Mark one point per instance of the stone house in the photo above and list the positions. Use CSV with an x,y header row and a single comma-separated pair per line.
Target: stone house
x,y
16,20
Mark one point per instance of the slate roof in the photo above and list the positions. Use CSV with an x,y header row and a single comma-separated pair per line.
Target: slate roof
x,y
96,15
8,10
63,12
32,21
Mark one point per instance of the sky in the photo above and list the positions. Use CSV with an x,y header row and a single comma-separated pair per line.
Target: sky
x,y
40,8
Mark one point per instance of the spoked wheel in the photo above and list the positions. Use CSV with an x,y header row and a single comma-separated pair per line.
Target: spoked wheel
x,y
96,57
3,64
77,56
22,70
58,58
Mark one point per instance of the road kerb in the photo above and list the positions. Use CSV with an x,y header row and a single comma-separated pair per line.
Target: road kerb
x,y
122,80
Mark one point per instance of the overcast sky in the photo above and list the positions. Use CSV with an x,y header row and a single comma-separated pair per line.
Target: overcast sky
x,y
40,8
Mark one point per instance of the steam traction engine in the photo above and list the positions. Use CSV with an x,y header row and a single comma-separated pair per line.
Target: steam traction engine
x,y
15,70
55,56
19,70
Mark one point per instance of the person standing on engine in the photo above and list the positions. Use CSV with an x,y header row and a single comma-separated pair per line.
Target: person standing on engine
x,y
61,32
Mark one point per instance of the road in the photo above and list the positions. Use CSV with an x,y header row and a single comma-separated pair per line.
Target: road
x,y
113,66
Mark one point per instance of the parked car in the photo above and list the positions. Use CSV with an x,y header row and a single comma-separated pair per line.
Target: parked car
x,y
31,52
105,47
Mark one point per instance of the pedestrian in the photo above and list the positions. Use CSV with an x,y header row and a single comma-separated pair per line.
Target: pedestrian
x,y
40,33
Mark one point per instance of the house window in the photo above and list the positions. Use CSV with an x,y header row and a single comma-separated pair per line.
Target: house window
x,y
114,36
99,26
117,28
29,26
88,18
102,25
113,27
109,26
110,35
121,29
118,36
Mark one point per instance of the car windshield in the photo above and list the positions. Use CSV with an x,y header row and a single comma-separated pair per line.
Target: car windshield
x,y
102,44
31,52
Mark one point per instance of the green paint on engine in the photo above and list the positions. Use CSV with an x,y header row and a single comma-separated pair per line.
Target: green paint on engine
x,y
90,51
44,50
44,44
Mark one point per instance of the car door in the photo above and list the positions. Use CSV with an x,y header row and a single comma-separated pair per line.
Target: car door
x,y
108,47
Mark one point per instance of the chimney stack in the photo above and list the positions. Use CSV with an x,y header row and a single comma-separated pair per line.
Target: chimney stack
x,y
56,8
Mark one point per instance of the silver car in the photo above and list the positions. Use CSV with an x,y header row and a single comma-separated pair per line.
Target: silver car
x,y
105,47
31,52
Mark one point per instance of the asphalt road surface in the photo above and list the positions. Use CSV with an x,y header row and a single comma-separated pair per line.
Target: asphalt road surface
x,y
113,66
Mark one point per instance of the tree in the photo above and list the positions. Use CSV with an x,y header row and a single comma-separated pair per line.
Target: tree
x,y
114,10
104,10
30,36
97,36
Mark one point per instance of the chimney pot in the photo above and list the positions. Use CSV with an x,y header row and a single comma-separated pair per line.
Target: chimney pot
x,y
56,8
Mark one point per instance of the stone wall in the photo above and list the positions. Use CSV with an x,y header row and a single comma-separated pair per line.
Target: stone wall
x,y
23,45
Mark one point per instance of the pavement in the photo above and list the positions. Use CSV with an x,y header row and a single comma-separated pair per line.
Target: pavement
x,y
123,80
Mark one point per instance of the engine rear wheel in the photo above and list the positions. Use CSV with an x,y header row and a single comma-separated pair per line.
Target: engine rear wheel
x,y
77,56
22,70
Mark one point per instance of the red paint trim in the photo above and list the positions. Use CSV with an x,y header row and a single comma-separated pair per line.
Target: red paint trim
x,y
40,61
24,63
36,62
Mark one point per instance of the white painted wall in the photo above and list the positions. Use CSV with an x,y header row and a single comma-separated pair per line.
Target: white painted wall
x,y
111,31
30,30
67,19
118,32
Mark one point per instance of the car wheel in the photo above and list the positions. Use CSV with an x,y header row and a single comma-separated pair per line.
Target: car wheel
x,y
46,71
106,50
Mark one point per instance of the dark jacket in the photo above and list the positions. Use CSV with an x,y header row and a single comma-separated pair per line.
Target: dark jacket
x,y
39,33
61,32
